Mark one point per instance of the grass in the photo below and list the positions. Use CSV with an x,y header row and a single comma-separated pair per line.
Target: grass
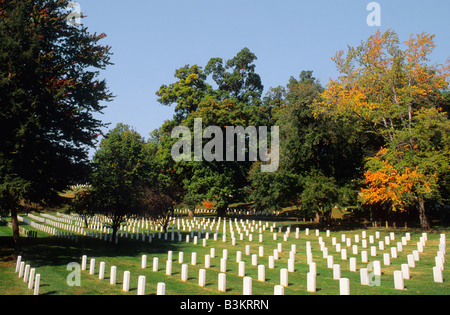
x,y
51,255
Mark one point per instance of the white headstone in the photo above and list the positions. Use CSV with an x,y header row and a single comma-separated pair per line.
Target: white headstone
x,y
353,264
141,285
311,282
364,276
161,288
83,262
278,290
92,266
184,272
247,286
437,274
241,271
101,272
19,260
344,286
222,282
398,280
169,267
261,273
405,271
37,283
31,278
113,275
126,281
202,277
284,277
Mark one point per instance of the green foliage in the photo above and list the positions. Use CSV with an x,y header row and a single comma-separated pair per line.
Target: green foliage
x,y
119,171
49,94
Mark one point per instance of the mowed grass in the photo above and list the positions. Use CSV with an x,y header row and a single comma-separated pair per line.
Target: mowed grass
x,y
51,255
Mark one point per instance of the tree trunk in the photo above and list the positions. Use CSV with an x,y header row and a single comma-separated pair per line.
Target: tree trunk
x,y
222,211
423,215
15,227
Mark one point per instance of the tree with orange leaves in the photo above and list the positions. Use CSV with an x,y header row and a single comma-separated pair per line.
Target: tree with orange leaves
x,y
391,90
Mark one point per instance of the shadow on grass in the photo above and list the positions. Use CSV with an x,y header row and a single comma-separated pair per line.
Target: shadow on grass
x,y
54,251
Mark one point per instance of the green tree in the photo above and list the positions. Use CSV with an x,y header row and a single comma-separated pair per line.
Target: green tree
x,y
236,78
49,93
118,177
394,93
231,103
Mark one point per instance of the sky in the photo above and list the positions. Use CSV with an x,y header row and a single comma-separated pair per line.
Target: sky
x,y
151,39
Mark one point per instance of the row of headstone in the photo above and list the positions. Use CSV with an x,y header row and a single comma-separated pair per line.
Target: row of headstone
x,y
28,275
160,290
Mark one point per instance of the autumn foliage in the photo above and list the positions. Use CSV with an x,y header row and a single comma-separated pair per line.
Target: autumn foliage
x,y
389,185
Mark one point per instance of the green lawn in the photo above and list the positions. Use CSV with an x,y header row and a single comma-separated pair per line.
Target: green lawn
x,y
51,255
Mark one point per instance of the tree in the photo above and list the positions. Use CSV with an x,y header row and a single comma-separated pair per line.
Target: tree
x,y
49,93
315,152
232,103
393,92
187,92
236,78
118,177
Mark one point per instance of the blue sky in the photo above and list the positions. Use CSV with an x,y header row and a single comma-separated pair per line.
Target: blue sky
x,y
150,39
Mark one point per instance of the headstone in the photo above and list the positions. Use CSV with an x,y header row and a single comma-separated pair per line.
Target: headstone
x,y
238,256
26,273
241,271
393,252
161,288
336,272
405,271
83,262
155,264
364,276
364,258
344,286
311,282
141,285
278,290
37,283
437,274
247,286
31,278
284,277
169,267
180,257
126,281
313,268
184,272
92,266
254,260
202,277
19,260
222,282
411,262
261,273
223,265
377,268
352,264
330,262
271,262
101,272
113,276
398,280
386,259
